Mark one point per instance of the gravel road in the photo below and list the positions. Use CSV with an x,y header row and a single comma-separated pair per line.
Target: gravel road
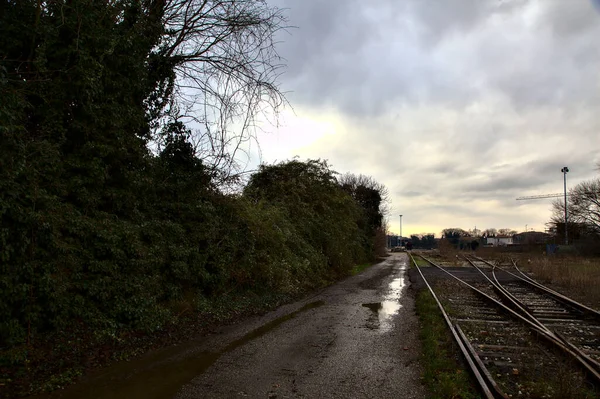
x,y
355,339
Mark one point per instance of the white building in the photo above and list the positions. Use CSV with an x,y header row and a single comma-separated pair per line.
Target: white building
x,y
499,241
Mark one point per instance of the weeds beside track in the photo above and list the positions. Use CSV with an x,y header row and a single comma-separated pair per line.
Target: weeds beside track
x,y
508,350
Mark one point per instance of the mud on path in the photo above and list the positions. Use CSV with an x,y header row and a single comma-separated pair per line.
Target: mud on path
x,y
357,338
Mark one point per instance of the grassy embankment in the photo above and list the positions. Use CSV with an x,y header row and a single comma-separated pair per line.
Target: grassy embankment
x,y
420,262
578,276
443,375
123,288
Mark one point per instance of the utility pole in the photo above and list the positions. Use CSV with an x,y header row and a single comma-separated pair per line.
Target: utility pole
x,y
565,170
400,228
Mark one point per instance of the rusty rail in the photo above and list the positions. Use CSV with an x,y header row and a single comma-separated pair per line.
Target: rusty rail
x,y
584,361
475,364
525,278
522,307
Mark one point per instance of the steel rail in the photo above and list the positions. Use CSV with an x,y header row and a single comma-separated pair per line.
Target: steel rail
x,y
524,309
522,306
482,368
526,279
557,295
542,330
574,303
511,298
469,356
564,339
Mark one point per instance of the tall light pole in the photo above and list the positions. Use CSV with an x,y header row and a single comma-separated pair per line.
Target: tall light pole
x,y
400,227
565,170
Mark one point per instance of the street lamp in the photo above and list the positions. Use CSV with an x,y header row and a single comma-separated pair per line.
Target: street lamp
x,y
565,170
400,227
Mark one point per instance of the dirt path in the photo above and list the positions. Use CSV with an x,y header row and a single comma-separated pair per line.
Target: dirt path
x,y
360,343
355,339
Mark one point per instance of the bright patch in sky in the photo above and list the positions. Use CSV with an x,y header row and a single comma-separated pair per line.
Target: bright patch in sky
x,y
297,130
457,106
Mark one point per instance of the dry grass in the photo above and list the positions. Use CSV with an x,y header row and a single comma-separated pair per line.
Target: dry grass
x,y
576,277
447,250
447,253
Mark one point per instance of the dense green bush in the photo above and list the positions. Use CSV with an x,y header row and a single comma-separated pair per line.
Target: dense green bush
x,y
293,229
324,216
99,233
284,234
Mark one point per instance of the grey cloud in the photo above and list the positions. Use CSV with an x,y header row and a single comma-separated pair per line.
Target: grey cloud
x,y
363,58
451,101
440,18
570,19
456,207
499,184
523,179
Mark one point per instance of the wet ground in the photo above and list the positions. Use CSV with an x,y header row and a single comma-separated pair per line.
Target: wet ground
x,y
357,339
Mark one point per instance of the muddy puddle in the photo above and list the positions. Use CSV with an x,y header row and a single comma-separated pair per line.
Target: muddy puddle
x,y
381,317
161,374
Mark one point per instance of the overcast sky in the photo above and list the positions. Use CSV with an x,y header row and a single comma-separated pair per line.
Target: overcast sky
x,y
457,106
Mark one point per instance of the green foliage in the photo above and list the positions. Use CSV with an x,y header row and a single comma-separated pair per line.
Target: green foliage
x,y
99,234
423,241
359,268
454,235
372,197
73,163
322,214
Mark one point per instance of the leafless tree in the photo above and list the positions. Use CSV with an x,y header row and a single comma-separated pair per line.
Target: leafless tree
x,y
583,206
506,232
226,69
475,232
490,232
351,182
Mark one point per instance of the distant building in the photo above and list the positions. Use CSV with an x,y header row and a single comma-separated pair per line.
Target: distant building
x,y
532,237
499,241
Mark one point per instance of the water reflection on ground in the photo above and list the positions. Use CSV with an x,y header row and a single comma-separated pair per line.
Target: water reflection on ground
x,y
381,318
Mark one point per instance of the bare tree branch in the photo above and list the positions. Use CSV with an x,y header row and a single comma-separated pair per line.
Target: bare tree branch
x,y
583,206
226,71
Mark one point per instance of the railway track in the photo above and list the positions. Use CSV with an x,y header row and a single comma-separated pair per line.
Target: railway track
x,y
516,341
577,325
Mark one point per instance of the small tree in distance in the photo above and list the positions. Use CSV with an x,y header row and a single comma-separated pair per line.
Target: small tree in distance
x,y
490,232
373,198
506,232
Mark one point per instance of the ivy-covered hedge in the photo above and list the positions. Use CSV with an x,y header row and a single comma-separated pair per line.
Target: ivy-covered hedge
x,y
293,228
100,233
